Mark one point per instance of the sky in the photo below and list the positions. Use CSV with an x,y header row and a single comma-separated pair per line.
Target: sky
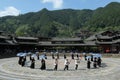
x,y
16,7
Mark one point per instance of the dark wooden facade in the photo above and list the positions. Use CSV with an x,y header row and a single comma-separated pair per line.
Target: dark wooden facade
x,y
106,42
109,41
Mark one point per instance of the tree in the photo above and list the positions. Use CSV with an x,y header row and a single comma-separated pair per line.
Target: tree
x,y
23,30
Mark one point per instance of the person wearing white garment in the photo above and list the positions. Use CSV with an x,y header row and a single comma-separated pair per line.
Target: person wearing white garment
x,y
66,64
76,63
56,64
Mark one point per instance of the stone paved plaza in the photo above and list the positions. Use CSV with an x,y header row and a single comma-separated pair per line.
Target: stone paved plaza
x,y
10,70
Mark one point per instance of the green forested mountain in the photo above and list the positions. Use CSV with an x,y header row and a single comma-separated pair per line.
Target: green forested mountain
x,y
62,23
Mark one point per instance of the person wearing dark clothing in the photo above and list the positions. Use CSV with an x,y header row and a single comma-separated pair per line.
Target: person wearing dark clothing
x,y
95,63
25,58
53,56
85,56
64,56
38,57
91,57
88,64
45,56
43,65
32,66
72,56
77,56
20,60
99,61
23,61
57,55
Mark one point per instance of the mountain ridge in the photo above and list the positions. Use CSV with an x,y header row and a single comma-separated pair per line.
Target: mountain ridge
x,y
63,23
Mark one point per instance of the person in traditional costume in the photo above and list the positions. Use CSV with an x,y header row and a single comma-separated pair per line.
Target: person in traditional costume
x,y
53,56
57,55
88,63
38,56
77,61
45,56
32,66
77,56
72,56
43,64
20,60
85,57
64,56
23,61
99,61
95,63
56,64
66,64
91,57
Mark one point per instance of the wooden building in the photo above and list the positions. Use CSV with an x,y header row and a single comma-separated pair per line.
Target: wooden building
x,y
105,42
7,46
67,44
109,41
26,43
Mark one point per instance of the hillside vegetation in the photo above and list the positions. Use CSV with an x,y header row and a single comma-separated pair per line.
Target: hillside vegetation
x,y
63,23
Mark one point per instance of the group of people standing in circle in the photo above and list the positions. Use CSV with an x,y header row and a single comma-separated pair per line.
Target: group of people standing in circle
x,y
67,62
22,60
96,61
43,64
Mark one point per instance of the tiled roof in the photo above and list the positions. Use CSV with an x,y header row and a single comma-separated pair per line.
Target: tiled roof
x,y
66,39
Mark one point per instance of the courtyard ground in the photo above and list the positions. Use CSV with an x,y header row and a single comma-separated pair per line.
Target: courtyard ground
x,y
11,70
